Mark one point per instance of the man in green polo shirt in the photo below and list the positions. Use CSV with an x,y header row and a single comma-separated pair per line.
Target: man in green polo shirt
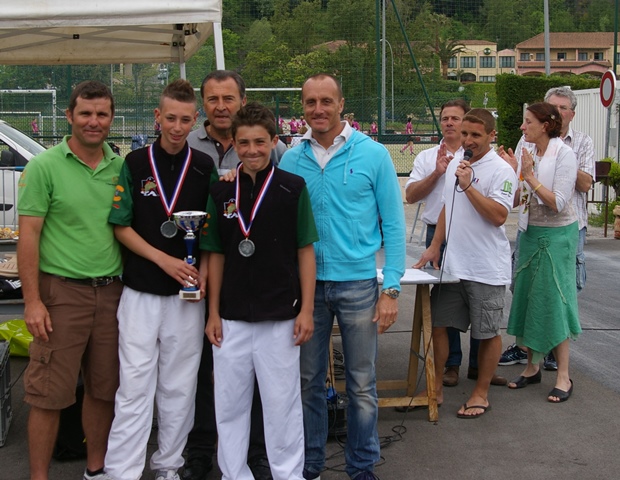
x,y
69,262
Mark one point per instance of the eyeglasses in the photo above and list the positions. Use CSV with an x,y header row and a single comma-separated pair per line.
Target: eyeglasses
x,y
563,108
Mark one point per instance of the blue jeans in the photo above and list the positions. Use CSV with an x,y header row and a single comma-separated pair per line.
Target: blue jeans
x,y
430,233
581,260
353,304
455,357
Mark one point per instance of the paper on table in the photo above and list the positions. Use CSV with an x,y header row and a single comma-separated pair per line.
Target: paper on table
x,y
412,275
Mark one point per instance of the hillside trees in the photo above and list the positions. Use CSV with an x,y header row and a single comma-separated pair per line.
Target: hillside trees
x,y
271,41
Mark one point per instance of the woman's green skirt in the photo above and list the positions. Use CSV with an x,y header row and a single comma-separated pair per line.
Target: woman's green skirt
x,y
544,309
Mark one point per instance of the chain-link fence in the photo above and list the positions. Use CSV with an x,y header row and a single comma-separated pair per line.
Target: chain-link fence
x,y
396,60
135,116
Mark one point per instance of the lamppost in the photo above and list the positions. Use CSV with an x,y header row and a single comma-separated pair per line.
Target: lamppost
x,y
392,55
163,73
382,122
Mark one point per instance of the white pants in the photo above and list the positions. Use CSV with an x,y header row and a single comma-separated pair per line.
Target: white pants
x,y
160,343
266,350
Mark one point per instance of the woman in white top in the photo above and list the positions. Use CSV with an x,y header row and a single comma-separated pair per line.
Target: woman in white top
x,y
544,313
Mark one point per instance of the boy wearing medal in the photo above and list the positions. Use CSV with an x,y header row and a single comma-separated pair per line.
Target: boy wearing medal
x,y
260,233
160,335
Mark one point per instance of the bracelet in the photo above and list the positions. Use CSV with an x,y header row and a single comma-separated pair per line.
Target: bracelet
x,y
539,185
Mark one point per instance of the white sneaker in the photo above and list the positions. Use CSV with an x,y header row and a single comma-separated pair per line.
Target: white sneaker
x,y
99,476
167,475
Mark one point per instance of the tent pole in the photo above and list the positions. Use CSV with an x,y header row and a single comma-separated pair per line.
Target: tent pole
x,y
218,41
182,71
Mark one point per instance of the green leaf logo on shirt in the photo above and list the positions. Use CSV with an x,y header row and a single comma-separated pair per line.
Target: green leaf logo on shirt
x,y
507,187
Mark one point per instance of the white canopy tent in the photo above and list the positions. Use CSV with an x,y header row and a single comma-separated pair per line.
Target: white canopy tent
x,y
47,32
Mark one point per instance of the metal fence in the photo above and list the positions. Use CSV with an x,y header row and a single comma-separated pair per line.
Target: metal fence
x,y
9,176
134,116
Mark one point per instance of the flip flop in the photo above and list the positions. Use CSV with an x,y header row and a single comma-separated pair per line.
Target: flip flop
x,y
561,394
468,407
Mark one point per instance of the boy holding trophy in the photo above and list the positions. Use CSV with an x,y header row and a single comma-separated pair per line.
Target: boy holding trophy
x,y
160,333
260,233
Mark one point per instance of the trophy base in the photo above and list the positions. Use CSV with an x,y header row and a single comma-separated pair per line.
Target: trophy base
x,y
189,294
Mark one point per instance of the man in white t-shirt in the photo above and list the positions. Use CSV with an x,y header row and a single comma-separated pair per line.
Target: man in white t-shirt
x,y
477,252
426,184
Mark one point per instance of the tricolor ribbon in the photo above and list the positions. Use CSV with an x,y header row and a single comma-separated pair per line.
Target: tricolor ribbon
x,y
259,199
169,205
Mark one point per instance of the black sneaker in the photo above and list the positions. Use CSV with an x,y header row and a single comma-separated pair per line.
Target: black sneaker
x,y
259,465
197,468
550,362
513,355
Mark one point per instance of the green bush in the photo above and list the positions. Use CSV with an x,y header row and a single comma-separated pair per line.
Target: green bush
x,y
596,220
515,90
613,179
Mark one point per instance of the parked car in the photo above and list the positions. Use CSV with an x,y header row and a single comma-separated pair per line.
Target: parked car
x,y
16,149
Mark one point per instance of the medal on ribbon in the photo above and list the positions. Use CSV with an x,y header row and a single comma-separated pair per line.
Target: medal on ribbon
x,y
246,246
169,229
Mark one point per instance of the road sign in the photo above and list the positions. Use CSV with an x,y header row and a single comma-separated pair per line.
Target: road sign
x,y
608,88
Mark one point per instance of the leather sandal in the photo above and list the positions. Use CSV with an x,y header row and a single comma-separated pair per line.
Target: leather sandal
x,y
522,382
561,395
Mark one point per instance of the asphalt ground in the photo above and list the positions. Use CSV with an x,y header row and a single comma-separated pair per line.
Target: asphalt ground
x,y
522,436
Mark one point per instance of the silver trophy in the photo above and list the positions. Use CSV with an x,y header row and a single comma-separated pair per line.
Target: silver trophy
x,y
189,222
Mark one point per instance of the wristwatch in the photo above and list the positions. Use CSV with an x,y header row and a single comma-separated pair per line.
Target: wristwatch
x,y
391,292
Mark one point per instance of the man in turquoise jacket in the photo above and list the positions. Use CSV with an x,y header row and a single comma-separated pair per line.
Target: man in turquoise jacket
x,y
352,184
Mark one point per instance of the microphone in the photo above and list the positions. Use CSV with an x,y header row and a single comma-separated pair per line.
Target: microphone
x,y
467,154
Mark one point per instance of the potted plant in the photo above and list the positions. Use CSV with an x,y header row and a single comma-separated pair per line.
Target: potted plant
x,y
602,168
